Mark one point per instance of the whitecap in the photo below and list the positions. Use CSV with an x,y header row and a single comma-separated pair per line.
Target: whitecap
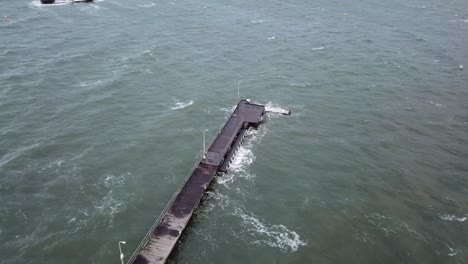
x,y
318,48
148,5
255,21
272,38
278,236
182,105
448,217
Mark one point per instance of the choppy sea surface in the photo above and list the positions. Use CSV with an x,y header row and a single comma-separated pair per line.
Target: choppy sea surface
x,y
103,105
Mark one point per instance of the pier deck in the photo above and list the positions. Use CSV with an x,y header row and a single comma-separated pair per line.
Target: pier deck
x,y
163,236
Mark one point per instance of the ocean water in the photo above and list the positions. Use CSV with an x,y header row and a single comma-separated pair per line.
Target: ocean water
x,y
102,108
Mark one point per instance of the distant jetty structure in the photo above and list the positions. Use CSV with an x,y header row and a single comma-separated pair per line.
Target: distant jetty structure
x,y
159,242
50,2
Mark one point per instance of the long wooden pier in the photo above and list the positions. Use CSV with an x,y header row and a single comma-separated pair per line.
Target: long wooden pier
x,y
159,242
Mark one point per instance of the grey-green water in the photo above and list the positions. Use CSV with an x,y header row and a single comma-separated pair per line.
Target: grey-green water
x,y
102,109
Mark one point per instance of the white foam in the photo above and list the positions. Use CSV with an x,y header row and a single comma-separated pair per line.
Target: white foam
x,y
148,5
238,167
243,158
85,84
149,53
106,202
452,218
452,252
182,105
222,200
109,205
272,38
390,226
277,236
255,21
318,48
111,180
55,164
270,107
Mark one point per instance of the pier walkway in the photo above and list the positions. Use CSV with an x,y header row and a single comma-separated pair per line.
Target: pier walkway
x,y
158,244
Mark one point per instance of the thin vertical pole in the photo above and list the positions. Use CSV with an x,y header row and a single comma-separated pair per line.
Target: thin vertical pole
x,y
238,89
204,147
120,250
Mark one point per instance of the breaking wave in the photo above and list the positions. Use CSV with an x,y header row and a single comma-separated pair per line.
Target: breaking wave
x,y
182,105
278,236
275,109
244,157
